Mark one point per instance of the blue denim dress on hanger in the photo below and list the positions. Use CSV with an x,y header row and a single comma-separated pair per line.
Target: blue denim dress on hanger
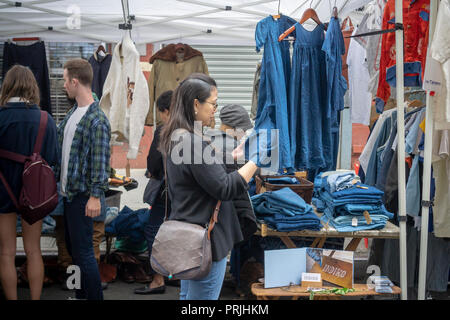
x,y
310,123
334,48
275,75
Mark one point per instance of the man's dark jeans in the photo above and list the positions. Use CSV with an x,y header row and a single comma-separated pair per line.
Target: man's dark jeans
x,y
79,230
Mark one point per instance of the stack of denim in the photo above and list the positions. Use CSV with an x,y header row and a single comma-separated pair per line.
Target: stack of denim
x,y
343,200
284,210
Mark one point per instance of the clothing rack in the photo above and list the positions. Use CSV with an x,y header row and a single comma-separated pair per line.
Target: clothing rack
x,y
426,170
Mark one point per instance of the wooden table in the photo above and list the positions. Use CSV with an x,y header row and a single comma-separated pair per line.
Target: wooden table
x,y
361,290
390,231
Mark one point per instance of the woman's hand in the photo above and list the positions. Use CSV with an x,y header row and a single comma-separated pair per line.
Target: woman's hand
x,y
238,153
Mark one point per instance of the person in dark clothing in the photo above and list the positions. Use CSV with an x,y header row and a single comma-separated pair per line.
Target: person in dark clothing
x,y
34,57
235,121
19,123
155,169
197,179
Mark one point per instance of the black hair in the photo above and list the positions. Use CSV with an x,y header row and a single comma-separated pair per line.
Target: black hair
x,y
164,100
182,114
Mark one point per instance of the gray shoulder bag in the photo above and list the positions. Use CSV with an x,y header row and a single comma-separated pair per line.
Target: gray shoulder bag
x,y
182,250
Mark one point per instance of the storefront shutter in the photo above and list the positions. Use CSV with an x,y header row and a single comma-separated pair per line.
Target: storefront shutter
x,y
233,68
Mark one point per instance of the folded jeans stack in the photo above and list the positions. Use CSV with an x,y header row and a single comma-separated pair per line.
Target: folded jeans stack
x,y
353,207
284,210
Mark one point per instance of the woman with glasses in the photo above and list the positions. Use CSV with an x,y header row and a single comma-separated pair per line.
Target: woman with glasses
x,y
197,179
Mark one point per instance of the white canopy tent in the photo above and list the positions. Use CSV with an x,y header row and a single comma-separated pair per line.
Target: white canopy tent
x,y
189,21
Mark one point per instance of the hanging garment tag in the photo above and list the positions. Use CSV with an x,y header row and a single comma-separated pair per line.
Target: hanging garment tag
x,y
432,79
367,216
354,222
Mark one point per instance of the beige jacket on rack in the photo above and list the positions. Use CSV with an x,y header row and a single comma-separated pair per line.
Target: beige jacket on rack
x,y
166,75
125,98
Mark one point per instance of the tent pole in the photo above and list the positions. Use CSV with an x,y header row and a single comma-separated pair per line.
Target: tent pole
x,y
198,14
212,5
401,146
57,13
426,171
61,30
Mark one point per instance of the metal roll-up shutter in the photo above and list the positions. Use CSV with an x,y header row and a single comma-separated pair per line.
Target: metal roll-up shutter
x,y
57,55
233,68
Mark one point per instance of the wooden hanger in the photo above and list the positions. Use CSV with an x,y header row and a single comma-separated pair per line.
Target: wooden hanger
x,y
335,12
309,13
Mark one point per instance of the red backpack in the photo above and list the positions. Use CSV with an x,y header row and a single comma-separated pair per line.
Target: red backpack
x,y
38,196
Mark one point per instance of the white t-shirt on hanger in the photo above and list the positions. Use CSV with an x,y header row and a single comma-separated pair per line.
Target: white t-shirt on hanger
x,y
358,78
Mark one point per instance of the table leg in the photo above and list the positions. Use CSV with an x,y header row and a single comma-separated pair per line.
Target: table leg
x,y
322,242
353,244
288,242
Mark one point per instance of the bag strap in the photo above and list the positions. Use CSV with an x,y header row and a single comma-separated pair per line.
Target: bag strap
x,y
41,132
212,221
8,189
17,157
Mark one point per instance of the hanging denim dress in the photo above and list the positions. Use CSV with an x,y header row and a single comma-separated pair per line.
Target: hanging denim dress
x,y
272,110
310,123
334,48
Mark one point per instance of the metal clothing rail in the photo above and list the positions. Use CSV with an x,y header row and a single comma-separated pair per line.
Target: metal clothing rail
x,y
401,145
427,169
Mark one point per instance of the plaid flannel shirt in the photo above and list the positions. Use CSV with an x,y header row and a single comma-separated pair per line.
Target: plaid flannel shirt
x,y
88,170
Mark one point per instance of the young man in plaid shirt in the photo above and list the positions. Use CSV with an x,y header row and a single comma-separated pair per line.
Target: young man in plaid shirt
x,y
84,150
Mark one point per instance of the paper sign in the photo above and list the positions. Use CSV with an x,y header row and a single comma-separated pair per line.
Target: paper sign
x,y
355,222
367,216
311,277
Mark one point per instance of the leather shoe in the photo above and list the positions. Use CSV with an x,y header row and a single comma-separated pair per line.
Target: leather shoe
x,y
148,290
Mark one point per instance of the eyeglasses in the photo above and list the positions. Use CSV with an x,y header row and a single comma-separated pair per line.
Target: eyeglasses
x,y
215,105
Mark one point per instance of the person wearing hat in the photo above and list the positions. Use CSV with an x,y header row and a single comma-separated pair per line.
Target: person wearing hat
x,y
235,121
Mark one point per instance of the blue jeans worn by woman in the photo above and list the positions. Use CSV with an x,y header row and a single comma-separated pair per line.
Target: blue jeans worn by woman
x,y
207,288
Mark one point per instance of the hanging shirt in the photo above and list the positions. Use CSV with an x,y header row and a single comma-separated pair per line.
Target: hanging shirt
x,y
415,21
334,48
100,68
360,97
167,72
309,114
441,173
272,111
347,30
34,57
440,51
372,21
